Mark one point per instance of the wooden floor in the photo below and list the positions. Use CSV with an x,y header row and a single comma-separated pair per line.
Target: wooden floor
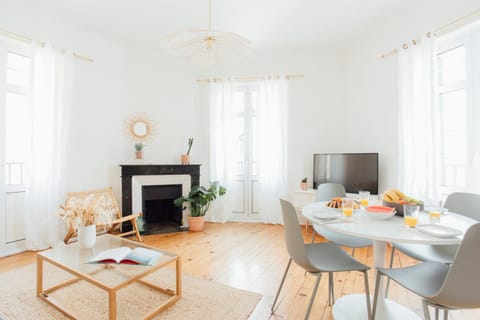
x,y
253,257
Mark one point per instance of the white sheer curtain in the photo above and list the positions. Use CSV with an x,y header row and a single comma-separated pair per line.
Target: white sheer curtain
x,y
272,140
222,142
50,108
419,168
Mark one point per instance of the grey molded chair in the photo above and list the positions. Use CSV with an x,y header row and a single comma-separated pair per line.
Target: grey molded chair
x,y
441,286
325,192
315,258
467,204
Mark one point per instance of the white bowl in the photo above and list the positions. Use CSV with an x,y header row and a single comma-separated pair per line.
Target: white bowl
x,y
379,215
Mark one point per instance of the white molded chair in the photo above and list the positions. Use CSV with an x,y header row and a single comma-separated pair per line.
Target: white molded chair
x,y
441,286
467,204
315,258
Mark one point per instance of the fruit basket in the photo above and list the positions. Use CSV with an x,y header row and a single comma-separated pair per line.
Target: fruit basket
x,y
396,199
399,207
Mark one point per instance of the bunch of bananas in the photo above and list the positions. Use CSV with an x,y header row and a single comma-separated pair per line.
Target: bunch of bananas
x,y
393,195
397,196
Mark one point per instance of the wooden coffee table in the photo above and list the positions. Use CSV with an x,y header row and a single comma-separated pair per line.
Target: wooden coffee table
x,y
72,259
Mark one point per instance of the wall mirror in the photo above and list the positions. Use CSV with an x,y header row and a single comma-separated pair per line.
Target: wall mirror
x,y
140,128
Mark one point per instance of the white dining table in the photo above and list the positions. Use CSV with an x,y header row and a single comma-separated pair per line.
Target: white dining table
x,y
353,306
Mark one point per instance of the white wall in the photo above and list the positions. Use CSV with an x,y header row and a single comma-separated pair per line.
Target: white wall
x,y
370,83
347,101
119,83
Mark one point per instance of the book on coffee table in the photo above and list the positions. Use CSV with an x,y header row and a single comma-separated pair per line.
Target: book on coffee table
x,y
125,255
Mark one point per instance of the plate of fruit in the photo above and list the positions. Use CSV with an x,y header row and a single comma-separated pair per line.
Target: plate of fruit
x,y
379,212
394,198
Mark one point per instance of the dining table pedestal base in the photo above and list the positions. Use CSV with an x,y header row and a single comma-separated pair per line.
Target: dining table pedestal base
x,y
354,307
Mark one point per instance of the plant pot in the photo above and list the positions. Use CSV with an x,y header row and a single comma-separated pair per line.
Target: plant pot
x,y
304,185
195,224
185,159
87,236
139,155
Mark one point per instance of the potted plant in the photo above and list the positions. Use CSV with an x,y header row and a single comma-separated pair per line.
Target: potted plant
x,y
304,184
199,200
139,150
185,159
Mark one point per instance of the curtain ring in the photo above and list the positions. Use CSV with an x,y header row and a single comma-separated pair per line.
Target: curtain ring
x,y
414,42
405,46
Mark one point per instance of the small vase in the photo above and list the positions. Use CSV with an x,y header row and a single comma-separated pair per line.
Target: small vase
x,y
139,155
195,224
185,159
87,236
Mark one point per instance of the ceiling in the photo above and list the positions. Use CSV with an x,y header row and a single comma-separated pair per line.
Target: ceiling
x,y
267,23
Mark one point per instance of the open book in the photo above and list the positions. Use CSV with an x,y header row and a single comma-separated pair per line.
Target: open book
x,y
124,255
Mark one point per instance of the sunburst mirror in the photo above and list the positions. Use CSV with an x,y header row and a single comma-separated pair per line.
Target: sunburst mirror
x,y
140,128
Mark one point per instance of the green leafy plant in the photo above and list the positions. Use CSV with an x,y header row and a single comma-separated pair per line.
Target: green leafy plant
x,y
200,199
139,146
190,142
304,180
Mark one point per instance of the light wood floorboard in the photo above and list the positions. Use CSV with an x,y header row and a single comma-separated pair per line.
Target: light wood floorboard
x,y
253,257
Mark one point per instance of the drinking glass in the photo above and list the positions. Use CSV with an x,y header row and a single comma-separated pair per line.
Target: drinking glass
x,y
347,206
435,214
410,214
364,197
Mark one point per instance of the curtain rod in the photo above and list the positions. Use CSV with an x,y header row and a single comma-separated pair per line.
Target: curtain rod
x,y
439,31
25,39
288,77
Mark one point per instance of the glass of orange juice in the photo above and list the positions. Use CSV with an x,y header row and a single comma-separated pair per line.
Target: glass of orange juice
x,y
364,197
410,215
347,207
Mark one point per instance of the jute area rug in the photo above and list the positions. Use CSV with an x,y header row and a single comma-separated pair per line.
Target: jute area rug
x,y
202,299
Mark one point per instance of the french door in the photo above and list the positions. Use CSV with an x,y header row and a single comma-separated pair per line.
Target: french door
x,y
15,87
245,178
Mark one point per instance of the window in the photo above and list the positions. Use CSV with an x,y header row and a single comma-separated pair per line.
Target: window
x,y
457,87
245,125
16,76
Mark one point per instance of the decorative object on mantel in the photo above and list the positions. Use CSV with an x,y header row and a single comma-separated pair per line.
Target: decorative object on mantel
x,y
304,184
199,199
139,128
139,150
205,48
185,158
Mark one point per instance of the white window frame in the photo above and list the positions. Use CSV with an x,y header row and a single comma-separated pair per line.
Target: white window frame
x,y
8,246
470,39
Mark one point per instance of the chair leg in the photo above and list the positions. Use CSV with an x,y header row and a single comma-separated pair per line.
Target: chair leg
x,y
390,266
426,314
367,293
331,294
281,284
313,235
312,298
135,227
437,313
445,314
375,295
353,252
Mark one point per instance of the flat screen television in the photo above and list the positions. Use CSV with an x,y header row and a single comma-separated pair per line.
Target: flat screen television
x,y
355,171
